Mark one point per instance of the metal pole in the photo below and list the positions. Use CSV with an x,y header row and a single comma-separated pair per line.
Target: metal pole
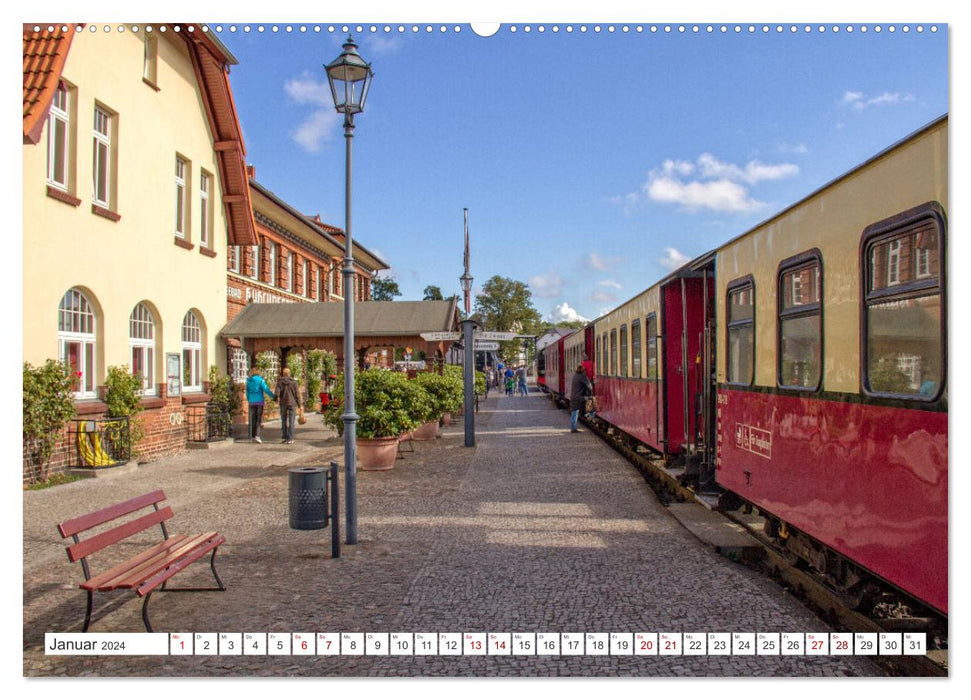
x,y
335,504
349,416
468,366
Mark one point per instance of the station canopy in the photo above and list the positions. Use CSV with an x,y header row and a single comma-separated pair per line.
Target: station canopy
x,y
260,327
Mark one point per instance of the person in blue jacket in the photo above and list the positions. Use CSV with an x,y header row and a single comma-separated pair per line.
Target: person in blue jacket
x,y
256,387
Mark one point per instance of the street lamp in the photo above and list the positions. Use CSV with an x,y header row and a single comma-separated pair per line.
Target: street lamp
x,y
350,78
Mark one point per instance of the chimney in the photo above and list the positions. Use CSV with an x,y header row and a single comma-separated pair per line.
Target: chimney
x,y
251,171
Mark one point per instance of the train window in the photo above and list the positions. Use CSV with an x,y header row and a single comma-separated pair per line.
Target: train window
x,y
604,366
740,356
623,350
904,306
599,358
651,333
800,322
613,352
635,349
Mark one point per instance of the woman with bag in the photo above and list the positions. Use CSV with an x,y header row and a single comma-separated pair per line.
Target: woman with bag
x,y
288,394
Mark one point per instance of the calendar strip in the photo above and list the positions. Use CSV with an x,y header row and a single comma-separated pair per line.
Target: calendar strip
x,y
488,644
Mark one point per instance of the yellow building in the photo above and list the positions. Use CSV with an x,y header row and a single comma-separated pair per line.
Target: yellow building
x,y
134,184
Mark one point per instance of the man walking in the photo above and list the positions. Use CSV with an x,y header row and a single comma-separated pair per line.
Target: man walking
x,y
580,389
288,394
256,387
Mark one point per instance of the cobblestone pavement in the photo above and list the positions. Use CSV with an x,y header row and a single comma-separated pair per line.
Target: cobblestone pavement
x,y
535,529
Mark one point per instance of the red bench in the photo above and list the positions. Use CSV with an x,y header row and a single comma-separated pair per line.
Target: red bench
x,y
146,571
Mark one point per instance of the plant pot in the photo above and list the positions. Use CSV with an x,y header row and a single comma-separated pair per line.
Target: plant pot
x,y
446,418
427,431
377,454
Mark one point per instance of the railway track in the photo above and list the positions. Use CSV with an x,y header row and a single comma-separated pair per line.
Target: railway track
x,y
825,602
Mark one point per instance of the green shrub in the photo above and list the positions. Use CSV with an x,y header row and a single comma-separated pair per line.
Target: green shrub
x,y
123,394
445,391
387,404
48,404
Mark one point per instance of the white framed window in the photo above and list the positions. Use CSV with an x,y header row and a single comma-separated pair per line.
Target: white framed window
x,y
306,279
239,366
893,263
205,210
58,139
271,250
77,341
320,278
103,155
924,263
141,340
191,353
181,197
150,59
234,257
254,252
289,274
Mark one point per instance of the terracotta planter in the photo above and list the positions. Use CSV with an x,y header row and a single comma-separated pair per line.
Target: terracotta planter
x,y
446,418
427,431
376,454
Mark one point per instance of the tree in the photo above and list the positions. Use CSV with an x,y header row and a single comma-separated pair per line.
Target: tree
x,y
432,293
507,305
384,289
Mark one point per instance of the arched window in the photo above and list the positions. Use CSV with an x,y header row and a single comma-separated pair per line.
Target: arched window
x,y
141,339
191,353
77,341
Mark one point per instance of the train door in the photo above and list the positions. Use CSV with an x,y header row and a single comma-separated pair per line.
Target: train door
x,y
687,340
706,389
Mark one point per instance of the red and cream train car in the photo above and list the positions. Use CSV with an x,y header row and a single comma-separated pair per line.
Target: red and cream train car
x,y
802,367
831,398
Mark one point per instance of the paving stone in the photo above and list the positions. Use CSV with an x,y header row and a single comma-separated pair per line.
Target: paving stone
x,y
535,529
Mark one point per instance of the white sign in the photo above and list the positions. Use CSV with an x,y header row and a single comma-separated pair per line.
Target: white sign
x,y
486,345
495,335
441,335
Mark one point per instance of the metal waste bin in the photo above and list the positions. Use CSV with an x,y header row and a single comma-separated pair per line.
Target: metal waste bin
x,y
308,498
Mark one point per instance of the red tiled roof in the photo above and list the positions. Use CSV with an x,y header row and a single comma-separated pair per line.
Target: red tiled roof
x,y
45,52
211,65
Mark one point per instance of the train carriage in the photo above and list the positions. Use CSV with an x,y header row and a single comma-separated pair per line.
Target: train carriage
x,y
831,395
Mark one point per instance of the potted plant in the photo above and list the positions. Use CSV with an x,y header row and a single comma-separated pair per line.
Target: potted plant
x,y
384,404
445,392
429,404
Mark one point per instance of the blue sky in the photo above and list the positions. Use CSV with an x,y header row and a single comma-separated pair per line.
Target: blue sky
x,y
590,162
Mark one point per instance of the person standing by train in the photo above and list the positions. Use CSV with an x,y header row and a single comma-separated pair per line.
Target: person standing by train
x,y
521,381
580,389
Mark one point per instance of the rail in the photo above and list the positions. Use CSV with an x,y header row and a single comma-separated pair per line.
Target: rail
x,y
208,423
100,442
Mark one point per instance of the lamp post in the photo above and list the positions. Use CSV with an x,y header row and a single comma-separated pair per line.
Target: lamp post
x,y
350,79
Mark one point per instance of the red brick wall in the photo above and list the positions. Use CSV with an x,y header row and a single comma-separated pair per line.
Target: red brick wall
x,y
163,434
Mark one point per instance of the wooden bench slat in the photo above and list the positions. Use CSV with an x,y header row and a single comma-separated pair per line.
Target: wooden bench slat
x,y
116,534
149,568
99,517
96,582
181,564
137,575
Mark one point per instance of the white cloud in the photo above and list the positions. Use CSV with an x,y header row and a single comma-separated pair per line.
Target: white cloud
x,y
859,101
597,262
315,130
610,283
711,183
796,148
307,90
603,297
548,286
720,195
673,258
564,313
